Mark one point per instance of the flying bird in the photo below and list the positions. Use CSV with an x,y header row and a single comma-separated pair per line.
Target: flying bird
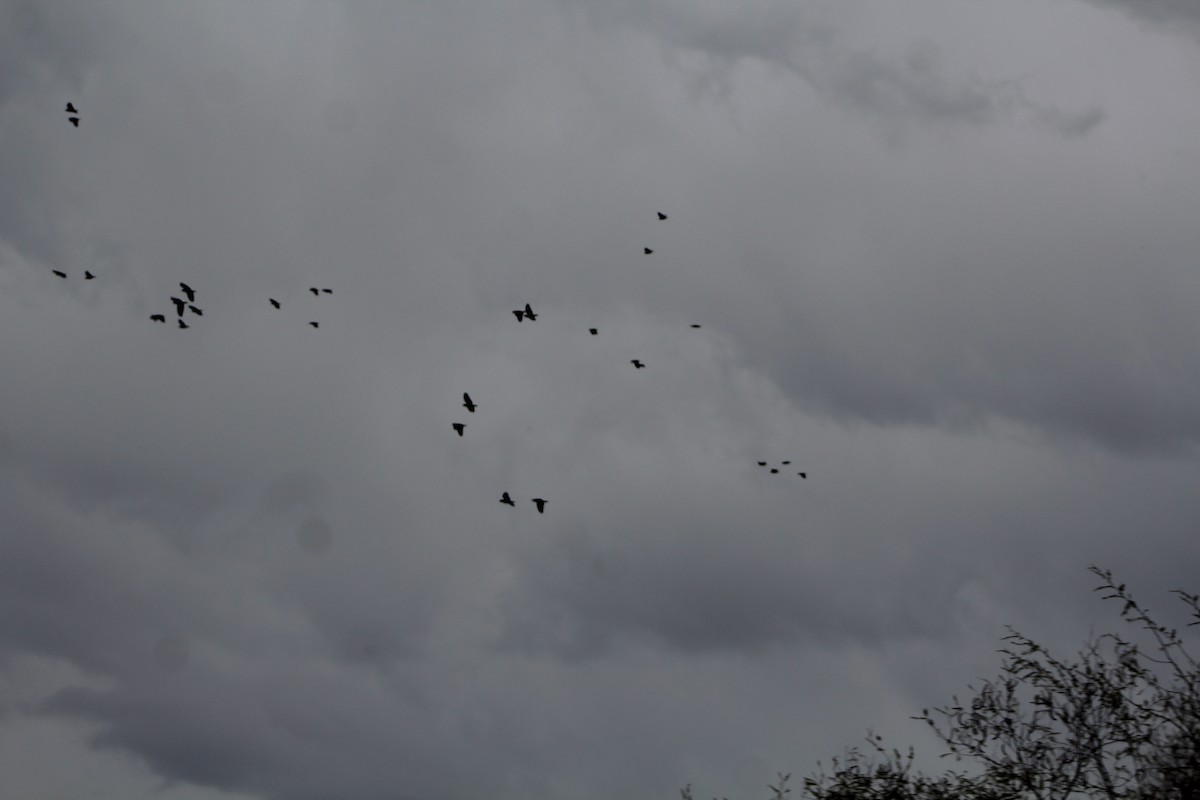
x,y
695,326
59,274
774,471
529,313
468,404
315,324
508,500
662,215
762,463
647,250
593,331
541,504
74,121
314,290
183,324
70,109
274,302
785,463
637,364
803,475
179,306
87,276
327,291
189,291
458,426
159,318
196,311
520,315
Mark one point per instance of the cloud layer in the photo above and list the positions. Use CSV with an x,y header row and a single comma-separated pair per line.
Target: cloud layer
x,y
948,277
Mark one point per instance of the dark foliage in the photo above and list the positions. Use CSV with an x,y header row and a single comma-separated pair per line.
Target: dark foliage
x,y
1120,721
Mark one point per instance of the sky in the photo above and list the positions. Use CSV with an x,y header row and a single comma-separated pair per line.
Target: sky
x,y
943,257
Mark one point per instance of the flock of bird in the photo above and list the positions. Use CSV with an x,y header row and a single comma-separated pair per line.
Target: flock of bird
x,y
526,313
180,305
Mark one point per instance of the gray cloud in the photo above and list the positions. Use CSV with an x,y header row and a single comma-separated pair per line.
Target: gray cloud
x,y
913,88
1157,11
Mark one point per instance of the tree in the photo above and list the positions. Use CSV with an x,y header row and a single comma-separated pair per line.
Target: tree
x,y
1115,723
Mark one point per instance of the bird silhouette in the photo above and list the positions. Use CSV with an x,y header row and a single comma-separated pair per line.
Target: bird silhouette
x,y
785,463
458,426
87,276
508,500
520,315
637,364
529,313
196,311
59,274
468,404
183,324
179,306
541,504
74,121
593,331
762,463
647,250
274,302
70,109
774,471
314,290
327,291
803,475
662,215
695,326
189,291
315,324
159,318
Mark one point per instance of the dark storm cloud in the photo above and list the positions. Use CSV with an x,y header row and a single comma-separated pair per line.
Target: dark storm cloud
x,y
582,598
915,87
1157,11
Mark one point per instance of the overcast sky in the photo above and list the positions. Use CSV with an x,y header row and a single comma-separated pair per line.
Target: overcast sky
x,y
945,260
